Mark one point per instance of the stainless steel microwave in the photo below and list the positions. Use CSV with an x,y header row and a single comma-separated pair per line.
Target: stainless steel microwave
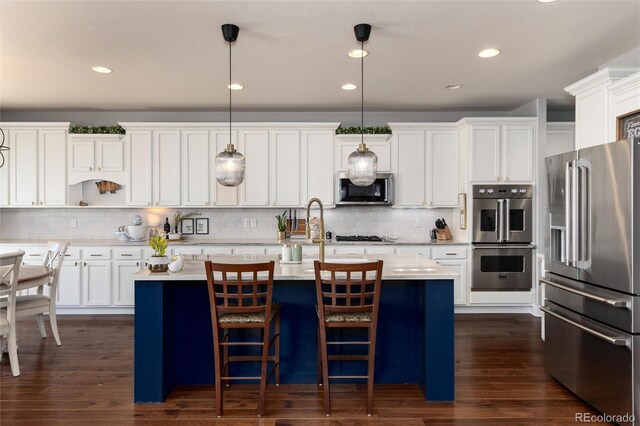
x,y
380,192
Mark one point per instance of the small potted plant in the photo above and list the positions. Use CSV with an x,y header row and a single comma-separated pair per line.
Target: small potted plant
x,y
282,226
158,262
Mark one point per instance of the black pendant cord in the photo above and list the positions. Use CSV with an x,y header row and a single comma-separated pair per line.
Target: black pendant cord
x,y
230,138
362,89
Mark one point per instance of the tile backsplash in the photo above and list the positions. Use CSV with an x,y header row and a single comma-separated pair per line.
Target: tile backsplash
x,y
98,223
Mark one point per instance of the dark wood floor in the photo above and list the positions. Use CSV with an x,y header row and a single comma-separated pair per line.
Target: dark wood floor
x,y
500,379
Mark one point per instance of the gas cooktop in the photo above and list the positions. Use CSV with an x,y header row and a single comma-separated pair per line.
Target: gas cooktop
x,y
368,238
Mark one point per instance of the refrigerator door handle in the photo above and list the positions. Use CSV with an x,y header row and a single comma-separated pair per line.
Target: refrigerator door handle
x,y
612,302
575,215
614,340
568,213
583,255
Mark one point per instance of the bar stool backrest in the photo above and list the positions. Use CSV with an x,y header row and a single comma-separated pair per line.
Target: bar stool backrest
x,y
240,288
348,288
10,263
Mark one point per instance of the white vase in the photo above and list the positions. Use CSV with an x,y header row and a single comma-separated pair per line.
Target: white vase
x,y
177,264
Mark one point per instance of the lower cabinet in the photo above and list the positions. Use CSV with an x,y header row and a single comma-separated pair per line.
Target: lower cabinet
x,y
69,284
123,289
96,280
460,283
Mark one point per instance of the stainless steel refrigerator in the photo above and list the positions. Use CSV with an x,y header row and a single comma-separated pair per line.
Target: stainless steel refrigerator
x,y
592,285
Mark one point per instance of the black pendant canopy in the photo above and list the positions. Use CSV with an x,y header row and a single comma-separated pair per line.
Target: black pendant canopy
x,y
362,32
230,32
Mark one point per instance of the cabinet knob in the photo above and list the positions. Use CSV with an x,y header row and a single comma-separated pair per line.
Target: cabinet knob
x,y
85,263
75,263
90,168
99,168
42,203
137,263
33,203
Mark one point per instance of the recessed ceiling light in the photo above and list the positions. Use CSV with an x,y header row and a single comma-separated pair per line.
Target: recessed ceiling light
x,y
349,86
546,1
358,53
235,86
453,86
489,53
102,70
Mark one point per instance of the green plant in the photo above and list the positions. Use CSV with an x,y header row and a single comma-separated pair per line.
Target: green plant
x,y
159,245
178,217
97,130
282,221
356,130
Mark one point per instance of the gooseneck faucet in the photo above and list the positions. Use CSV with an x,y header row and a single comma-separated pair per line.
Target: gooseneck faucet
x,y
308,228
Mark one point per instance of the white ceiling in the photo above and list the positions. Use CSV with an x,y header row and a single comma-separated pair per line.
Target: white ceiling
x,y
291,55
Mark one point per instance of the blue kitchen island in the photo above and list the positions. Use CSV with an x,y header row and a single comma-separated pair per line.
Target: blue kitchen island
x,y
173,336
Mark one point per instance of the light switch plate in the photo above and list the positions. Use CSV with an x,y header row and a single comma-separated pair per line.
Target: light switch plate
x,y
254,223
73,223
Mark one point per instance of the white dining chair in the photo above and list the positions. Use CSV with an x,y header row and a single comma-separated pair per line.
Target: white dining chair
x,y
10,269
42,277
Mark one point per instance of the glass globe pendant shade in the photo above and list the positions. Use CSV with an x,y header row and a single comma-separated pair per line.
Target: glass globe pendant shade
x,y
363,166
230,166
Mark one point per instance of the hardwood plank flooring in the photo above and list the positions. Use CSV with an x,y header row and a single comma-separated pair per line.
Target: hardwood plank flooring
x,y
500,379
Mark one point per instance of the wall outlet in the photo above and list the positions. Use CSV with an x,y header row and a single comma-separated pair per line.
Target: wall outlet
x,y
254,223
247,222
73,223
416,222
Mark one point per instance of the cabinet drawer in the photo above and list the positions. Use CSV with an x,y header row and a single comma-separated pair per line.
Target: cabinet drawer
x,y
73,253
97,253
217,251
187,250
32,254
456,252
127,254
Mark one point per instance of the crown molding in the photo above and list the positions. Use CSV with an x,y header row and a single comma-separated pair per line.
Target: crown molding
x,y
605,75
225,126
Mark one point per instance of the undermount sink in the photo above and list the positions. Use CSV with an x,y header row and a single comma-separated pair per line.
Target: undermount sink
x,y
348,260
413,270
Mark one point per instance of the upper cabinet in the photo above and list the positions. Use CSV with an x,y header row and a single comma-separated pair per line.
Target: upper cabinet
x,y
425,164
379,144
499,150
597,107
284,168
95,153
317,172
560,138
139,167
166,167
35,169
254,145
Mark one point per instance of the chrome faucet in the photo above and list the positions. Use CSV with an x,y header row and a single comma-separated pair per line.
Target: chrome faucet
x,y
308,228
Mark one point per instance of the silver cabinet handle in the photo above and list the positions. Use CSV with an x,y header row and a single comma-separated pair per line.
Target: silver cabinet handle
x,y
451,254
126,254
34,254
99,168
137,263
33,203
75,263
90,168
85,263
96,255
611,302
618,341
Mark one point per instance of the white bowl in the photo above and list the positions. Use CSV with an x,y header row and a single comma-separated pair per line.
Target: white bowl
x,y
138,232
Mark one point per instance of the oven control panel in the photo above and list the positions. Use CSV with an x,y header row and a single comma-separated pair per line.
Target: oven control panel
x,y
502,191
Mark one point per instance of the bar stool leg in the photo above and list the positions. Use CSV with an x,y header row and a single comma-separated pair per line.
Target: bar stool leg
x,y
325,370
218,371
277,349
225,358
319,379
371,366
263,373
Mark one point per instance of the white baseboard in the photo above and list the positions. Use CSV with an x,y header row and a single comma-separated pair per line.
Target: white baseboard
x,y
84,310
494,310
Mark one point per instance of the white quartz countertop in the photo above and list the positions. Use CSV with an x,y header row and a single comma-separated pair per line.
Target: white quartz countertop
x,y
231,242
396,267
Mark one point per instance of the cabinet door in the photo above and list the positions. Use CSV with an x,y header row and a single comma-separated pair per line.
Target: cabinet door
x,y
423,251
249,250
166,167
517,153
24,167
140,165
196,163
382,149
254,144
69,284
109,156
317,169
410,170
380,250
96,280
442,168
284,150
485,153
123,288
349,250
82,155
221,195
53,173
460,283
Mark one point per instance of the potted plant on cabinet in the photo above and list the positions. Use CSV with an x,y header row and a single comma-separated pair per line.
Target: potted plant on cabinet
x,y
282,226
158,262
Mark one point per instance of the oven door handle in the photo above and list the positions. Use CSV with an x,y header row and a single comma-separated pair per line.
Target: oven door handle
x,y
617,341
610,302
502,246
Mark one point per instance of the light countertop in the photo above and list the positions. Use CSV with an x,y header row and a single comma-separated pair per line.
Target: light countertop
x,y
396,267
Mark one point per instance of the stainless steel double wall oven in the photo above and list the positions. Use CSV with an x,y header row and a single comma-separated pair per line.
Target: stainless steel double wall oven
x,y
592,286
502,235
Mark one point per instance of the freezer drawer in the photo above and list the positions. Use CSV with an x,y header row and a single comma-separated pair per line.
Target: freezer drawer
x,y
594,361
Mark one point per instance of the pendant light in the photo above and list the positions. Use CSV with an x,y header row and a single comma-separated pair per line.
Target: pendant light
x,y
230,163
363,164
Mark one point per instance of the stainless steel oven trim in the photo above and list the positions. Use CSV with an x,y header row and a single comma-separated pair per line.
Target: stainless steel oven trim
x,y
479,278
614,340
389,191
612,302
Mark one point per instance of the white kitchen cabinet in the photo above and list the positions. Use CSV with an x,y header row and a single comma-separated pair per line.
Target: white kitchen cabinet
x,y
284,168
166,167
217,251
517,153
140,168
459,283
249,250
380,250
349,250
560,138
423,251
196,166
379,144
123,284
409,172
96,153
4,170
96,282
317,174
221,195
187,250
442,167
485,153
70,284
37,163
254,144
273,250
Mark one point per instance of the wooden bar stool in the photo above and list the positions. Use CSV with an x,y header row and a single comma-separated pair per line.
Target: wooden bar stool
x,y
348,298
239,299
